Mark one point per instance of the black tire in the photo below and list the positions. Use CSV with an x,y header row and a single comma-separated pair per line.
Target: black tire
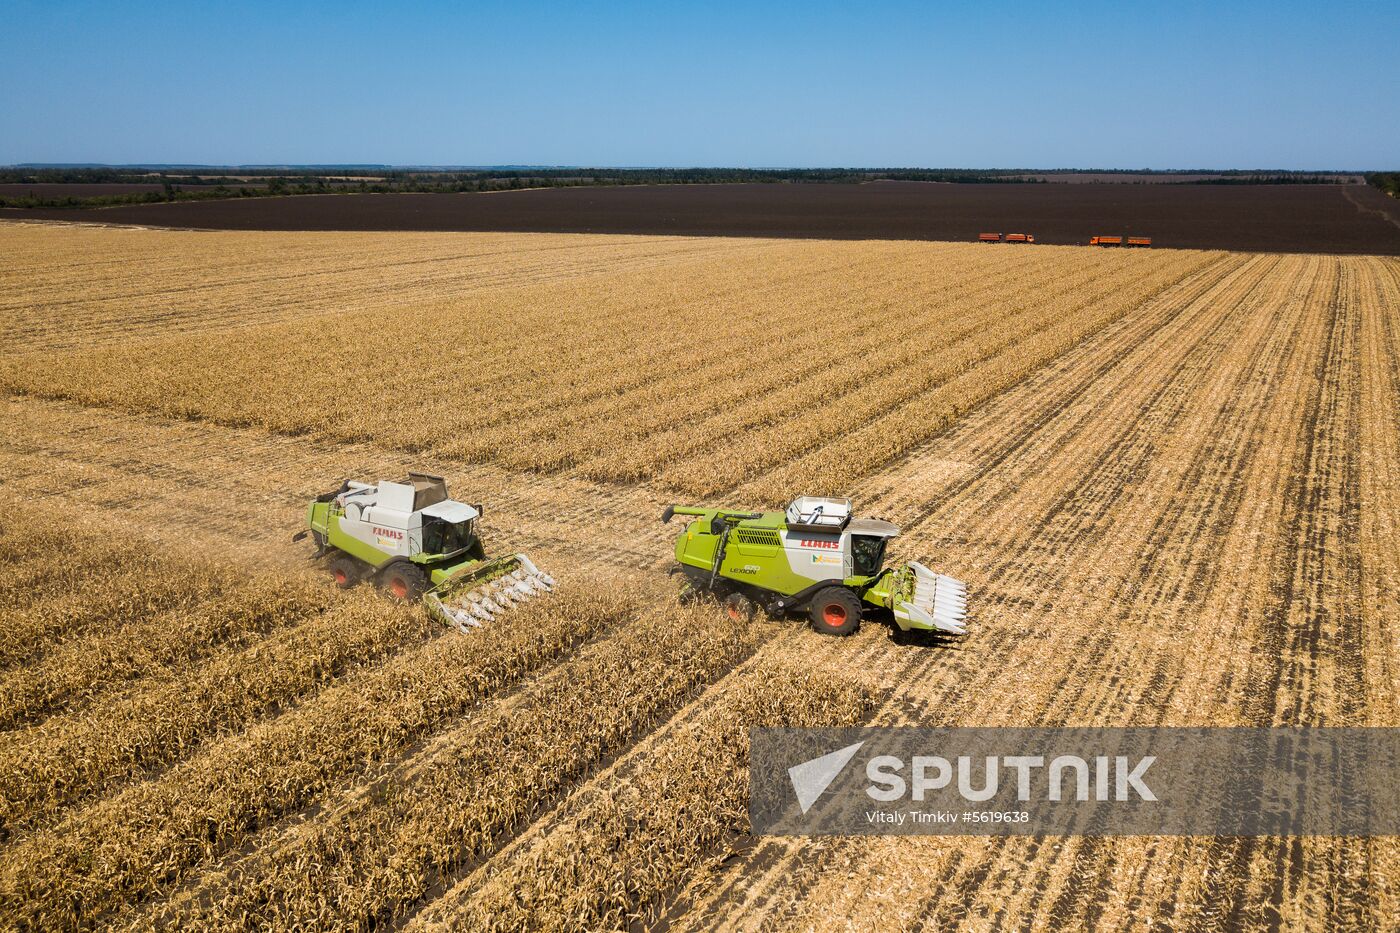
x,y
403,581
346,571
739,607
835,611
690,594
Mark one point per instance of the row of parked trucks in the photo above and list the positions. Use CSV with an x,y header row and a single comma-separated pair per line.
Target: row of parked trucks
x,y
1093,241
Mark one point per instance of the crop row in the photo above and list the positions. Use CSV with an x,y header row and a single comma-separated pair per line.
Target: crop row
x,y
932,403
137,844
71,757
637,374
636,437
616,850
169,643
822,411
62,581
376,858
69,288
779,347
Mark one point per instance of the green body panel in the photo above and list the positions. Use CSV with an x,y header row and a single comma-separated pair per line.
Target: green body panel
x,y
764,566
916,597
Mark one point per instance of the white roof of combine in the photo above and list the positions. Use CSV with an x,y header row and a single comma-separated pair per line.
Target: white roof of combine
x,y
450,511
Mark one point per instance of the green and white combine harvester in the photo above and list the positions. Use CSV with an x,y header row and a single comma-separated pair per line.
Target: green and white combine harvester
x,y
416,543
814,558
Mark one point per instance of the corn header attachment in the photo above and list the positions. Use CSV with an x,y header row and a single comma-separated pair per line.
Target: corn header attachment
x,y
920,598
481,591
416,543
812,558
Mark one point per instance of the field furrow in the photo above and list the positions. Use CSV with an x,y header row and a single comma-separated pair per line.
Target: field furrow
x,y
139,843
616,849
69,758
417,829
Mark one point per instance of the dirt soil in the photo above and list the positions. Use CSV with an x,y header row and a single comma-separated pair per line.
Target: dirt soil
x,y
1272,218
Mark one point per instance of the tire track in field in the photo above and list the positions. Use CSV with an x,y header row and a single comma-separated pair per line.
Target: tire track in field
x,y
1319,560
1235,442
964,670
1147,534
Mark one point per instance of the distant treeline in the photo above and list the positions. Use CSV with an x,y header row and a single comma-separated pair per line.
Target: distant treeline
x,y
1389,182
193,183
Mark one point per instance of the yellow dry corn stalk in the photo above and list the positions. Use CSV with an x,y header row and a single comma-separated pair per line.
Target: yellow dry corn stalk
x,y
615,849
213,801
420,827
702,343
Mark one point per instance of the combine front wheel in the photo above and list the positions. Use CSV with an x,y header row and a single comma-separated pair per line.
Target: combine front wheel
x,y
345,571
739,607
835,611
404,581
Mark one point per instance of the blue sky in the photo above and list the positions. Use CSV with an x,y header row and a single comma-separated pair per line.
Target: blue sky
x,y
1131,84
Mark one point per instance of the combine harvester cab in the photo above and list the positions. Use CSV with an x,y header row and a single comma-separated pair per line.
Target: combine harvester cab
x,y
416,543
814,558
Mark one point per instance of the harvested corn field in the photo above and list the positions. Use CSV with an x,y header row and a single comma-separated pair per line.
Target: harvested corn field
x,y
1168,478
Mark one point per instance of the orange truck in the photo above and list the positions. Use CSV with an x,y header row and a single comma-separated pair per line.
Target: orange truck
x,y
989,237
1119,241
1019,238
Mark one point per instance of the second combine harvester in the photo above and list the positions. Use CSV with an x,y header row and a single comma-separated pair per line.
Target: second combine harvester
x,y
416,543
812,558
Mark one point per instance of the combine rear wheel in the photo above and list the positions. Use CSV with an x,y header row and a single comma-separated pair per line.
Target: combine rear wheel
x,y
835,611
404,581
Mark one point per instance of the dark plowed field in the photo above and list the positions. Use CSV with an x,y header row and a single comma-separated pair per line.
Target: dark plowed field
x,y
1271,218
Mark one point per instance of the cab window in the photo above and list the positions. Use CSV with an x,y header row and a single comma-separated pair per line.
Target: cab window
x,y
440,537
868,554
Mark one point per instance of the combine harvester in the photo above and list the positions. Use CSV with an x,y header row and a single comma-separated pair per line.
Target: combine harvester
x,y
814,558
416,543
